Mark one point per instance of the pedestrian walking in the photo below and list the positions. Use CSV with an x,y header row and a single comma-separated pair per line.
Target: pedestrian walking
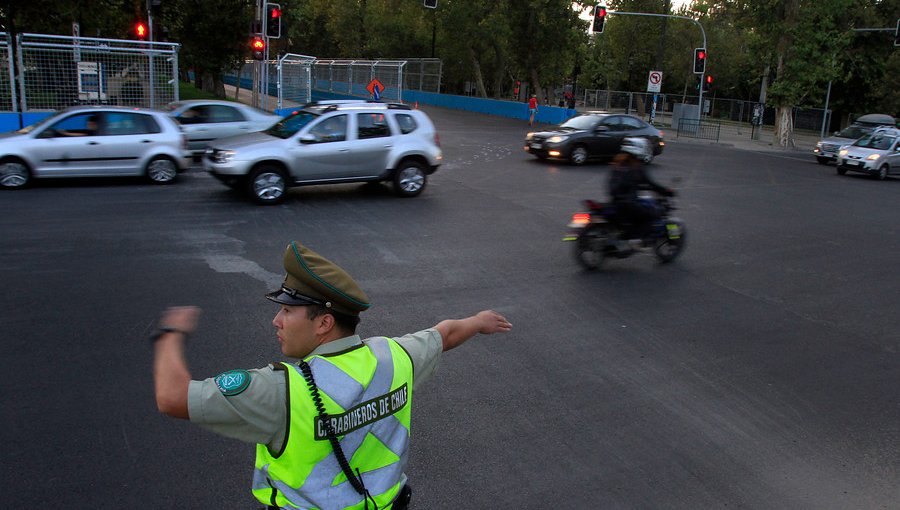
x,y
331,429
532,109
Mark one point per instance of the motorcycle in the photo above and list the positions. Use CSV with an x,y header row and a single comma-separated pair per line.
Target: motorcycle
x,y
597,234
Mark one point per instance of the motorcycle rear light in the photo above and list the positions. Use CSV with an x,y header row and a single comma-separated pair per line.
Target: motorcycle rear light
x,y
581,218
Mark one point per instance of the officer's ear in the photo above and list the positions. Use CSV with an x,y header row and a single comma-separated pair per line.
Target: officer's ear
x,y
326,323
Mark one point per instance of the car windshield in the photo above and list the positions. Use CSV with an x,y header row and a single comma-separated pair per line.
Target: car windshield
x,y
288,126
28,129
579,122
853,132
875,141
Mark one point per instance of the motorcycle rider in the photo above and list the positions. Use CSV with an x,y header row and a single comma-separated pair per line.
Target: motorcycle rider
x,y
626,178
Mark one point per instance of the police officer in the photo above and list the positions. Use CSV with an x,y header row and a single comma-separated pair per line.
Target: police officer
x,y
341,413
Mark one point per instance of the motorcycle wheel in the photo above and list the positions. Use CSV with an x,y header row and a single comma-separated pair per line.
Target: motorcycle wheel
x,y
590,246
667,250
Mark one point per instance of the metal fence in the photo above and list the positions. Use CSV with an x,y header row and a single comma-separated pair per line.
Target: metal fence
x,y
423,74
8,100
294,79
360,78
55,72
735,110
703,129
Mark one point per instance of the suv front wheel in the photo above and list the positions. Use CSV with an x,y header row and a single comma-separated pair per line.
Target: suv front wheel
x,y
267,185
410,178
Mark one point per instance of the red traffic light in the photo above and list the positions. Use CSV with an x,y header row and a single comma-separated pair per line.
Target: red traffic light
x,y
258,44
701,54
709,79
140,29
275,12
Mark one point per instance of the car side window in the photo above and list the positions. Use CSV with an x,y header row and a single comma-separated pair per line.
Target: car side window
x,y
611,122
222,113
332,129
124,123
406,122
85,124
372,125
193,115
630,123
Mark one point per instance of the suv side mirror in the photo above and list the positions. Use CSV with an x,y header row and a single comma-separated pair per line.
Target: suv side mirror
x,y
601,129
308,138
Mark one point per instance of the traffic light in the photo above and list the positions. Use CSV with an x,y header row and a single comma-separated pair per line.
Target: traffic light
x,y
707,82
431,4
140,30
259,48
273,21
699,60
599,18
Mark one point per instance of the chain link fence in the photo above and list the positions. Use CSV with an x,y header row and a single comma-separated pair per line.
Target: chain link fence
x,y
8,102
55,72
727,110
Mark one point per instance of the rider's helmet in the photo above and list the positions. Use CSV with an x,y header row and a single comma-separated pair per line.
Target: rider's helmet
x,y
635,146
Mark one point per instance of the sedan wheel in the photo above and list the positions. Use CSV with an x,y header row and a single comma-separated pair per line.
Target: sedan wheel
x,y
410,179
162,171
579,155
14,174
267,185
647,159
883,172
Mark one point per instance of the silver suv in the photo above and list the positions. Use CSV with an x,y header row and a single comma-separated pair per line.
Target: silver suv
x,y
329,143
827,149
876,154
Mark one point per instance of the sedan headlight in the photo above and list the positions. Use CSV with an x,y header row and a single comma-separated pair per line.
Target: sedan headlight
x,y
873,157
556,139
222,156
842,152
529,136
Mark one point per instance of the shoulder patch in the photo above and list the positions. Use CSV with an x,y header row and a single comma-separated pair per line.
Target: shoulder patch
x,y
233,382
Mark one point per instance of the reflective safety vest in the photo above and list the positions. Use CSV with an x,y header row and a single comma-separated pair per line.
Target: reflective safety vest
x,y
367,393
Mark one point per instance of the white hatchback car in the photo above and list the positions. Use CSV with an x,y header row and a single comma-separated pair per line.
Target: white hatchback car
x,y
331,143
92,141
876,154
206,120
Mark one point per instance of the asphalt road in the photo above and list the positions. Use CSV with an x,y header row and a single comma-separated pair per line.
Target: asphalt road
x,y
758,371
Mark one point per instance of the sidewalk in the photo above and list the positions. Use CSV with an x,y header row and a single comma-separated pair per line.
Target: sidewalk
x,y
740,137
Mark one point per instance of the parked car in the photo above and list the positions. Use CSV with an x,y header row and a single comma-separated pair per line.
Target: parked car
x,y
876,154
592,135
91,141
207,120
328,143
827,149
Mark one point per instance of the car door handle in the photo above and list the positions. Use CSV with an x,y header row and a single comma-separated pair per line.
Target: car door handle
x,y
93,143
343,150
388,145
146,141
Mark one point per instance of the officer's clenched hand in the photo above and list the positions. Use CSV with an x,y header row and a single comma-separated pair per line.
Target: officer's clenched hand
x,y
182,318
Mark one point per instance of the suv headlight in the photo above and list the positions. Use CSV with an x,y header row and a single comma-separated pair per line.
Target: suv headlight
x,y
556,139
873,157
221,156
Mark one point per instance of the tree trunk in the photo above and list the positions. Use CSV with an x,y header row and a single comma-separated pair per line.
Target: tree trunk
x,y
479,79
785,41
536,87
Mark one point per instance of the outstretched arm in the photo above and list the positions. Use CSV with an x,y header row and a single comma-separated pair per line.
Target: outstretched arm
x,y
170,371
454,332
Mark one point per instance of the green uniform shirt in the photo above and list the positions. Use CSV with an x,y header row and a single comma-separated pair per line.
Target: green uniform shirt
x,y
257,414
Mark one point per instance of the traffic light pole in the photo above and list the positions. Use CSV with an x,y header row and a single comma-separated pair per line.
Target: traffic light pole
x,y
703,32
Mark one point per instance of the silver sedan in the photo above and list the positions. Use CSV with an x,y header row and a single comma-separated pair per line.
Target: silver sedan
x,y
206,120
